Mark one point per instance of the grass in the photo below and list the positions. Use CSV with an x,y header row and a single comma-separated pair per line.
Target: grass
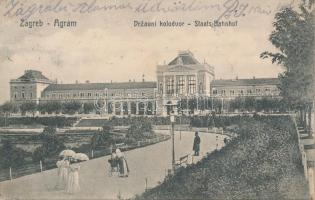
x,y
263,162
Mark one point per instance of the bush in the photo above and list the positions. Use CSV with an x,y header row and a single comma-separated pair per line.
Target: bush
x,y
52,145
71,107
11,156
139,129
57,121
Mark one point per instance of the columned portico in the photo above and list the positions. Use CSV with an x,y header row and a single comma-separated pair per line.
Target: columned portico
x,y
137,108
129,107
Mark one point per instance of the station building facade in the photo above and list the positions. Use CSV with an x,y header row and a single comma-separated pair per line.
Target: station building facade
x,y
108,98
182,78
258,88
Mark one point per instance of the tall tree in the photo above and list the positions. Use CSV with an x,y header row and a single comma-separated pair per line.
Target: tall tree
x,y
293,36
28,107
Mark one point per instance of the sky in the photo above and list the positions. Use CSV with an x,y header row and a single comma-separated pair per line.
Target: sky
x,y
105,46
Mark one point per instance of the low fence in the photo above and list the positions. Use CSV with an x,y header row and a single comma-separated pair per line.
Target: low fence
x,y
307,160
27,169
31,168
127,147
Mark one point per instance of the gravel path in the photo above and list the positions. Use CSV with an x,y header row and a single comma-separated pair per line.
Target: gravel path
x,y
149,163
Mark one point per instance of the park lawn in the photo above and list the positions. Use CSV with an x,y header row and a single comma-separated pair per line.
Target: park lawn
x,y
263,162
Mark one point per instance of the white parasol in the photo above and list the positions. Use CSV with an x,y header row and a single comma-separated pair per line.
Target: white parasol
x,y
81,157
67,153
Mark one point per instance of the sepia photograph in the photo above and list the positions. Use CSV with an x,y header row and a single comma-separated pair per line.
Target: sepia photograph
x,y
157,99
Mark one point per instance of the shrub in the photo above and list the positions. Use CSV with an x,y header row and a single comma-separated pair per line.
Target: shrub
x,y
58,121
52,145
11,156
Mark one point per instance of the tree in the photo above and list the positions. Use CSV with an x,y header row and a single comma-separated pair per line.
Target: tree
x,y
11,156
8,107
28,107
88,107
52,145
249,103
237,104
50,107
103,137
71,107
293,36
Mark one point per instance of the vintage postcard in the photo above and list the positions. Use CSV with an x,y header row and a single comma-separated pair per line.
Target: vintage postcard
x,y
157,99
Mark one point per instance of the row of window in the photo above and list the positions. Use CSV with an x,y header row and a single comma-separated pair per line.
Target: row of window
x,y
179,87
242,92
22,95
23,87
90,95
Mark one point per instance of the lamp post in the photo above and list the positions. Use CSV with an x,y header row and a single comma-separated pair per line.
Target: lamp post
x,y
172,118
180,118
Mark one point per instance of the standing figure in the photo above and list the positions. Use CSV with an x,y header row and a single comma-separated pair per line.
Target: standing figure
x,y
122,163
196,146
114,162
63,165
73,185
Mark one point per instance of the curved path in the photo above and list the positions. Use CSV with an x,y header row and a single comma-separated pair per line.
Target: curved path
x,y
149,163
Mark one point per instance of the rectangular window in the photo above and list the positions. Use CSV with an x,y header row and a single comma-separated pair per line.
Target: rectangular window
x,y
215,92
257,91
31,95
89,94
201,84
169,85
249,92
232,92
267,91
191,84
222,92
23,95
180,84
161,88
81,94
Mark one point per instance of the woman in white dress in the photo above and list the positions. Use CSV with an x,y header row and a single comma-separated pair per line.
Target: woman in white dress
x,y
73,185
62,173
122,163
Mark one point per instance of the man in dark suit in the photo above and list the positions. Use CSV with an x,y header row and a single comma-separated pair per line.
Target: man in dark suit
x,y
196,146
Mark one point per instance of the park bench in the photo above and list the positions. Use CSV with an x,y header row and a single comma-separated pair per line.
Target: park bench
x,y
182,160
120,145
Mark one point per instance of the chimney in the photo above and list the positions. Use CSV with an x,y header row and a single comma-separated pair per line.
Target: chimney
x,y
87,81
236,78
76,81
129,80
143,78
254,77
